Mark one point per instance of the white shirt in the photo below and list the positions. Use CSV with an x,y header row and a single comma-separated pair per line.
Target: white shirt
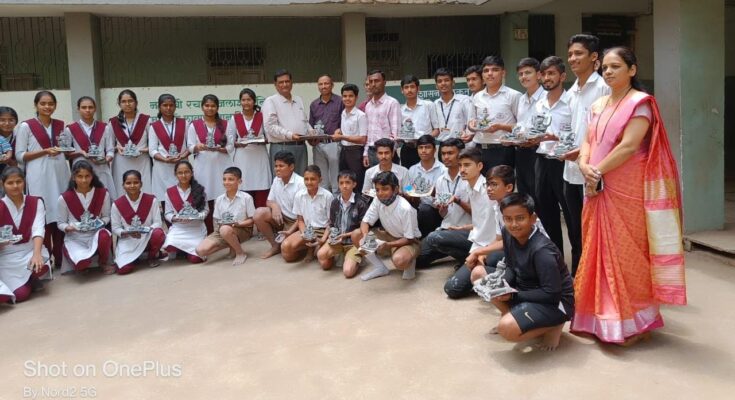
x,y
400,171
282,118
423,116
432,175
398,219
314,210
502,108
241,206
561,118
453,116
284,194
354,123
39,222
456,215
483,216
527,105
581,100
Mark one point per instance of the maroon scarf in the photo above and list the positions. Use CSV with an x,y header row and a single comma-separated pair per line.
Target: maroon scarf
x,y
240,124
26,221
179,133
98,130
39,132
201,129
127,212
75,205
176,201
138,130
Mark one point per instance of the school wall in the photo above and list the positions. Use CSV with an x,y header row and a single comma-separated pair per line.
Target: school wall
x,y
730,92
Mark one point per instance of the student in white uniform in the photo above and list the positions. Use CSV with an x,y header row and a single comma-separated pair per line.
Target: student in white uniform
x,y
252,159
129,125
8,122
167,144
210,162
277,216
428,169
525,155
583,54
23,263
240,205
352,134
185,235
130,246
452,109
384,149
400,232
501,105
422,115
47,169
86,132
86,194
311,207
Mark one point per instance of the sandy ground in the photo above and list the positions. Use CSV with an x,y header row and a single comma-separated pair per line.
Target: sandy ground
x,y
270,330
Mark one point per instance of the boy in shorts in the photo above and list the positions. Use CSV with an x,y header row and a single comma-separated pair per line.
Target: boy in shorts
x,y
278,213
544,300
400,233
345,213
240,206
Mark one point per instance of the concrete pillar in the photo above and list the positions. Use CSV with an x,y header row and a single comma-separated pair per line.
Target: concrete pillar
x,y
84,53
512,49
354,50
689,72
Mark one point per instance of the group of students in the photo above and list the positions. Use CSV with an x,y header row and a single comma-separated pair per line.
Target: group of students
x,y
499,201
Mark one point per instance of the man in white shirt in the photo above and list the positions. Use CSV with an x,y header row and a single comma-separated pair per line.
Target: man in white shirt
x,y
352,135
286,121
278,213
473,77
525,155
549,172
497,106
384,151
427,170
582,55
453,110
418,113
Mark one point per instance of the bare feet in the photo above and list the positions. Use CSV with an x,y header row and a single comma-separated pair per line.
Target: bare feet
x,y
154,263
231,254
635,339
494,330
272,252
550,339
240,259
309,255
108,269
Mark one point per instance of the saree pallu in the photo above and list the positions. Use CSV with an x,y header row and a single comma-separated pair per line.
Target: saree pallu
x,y
632,254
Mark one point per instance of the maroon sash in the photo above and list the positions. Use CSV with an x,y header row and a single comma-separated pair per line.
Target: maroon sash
x,y
138,130
127,212
39,132
240,124
201,129
75,205
176,201
98,130
162,134
26,221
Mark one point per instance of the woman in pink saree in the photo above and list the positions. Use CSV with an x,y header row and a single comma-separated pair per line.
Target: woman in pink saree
x,y
632,254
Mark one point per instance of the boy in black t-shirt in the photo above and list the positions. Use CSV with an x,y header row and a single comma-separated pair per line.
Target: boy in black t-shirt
x,y
545,297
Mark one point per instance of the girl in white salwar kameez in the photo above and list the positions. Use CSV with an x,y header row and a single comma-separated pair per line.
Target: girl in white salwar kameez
x,y
167,131
87,132
46,168
21,264
130,125
185,235
210,162
86,193
130,246
252,159
8,122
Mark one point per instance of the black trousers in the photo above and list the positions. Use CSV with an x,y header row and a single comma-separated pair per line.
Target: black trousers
x,y
494,155
550,195
429,219
526,170
350,158
574,195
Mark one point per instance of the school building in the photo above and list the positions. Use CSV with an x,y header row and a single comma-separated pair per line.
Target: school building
x,y
189,48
